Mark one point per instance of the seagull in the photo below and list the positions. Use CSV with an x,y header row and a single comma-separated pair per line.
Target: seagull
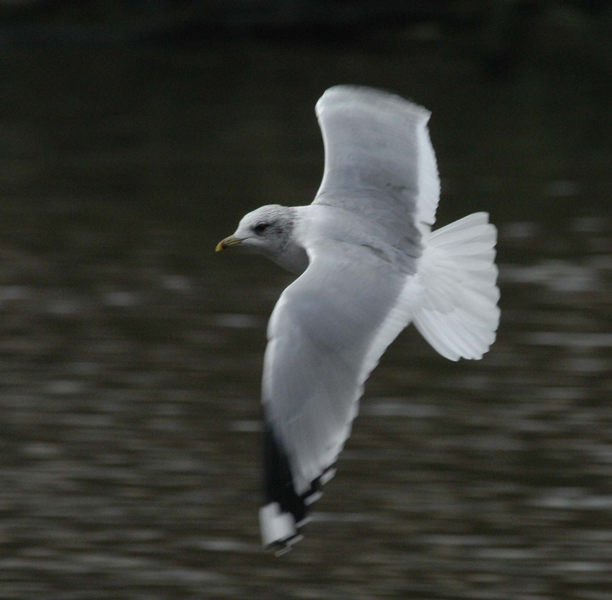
x,y
368,264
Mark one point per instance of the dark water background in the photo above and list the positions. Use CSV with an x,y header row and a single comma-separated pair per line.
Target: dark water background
x,y
130,353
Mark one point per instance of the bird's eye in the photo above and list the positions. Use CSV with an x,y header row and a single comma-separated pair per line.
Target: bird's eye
x,y
260,228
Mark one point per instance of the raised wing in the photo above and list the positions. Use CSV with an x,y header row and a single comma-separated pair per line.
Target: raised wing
x,y
326,334
379,161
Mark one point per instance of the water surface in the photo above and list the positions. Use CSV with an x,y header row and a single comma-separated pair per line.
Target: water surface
x,y
130,354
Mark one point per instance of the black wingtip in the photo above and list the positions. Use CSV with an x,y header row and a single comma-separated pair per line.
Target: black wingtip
x,y
278,480
284,512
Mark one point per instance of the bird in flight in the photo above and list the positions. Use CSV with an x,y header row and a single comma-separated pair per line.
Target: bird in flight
x,y
367,265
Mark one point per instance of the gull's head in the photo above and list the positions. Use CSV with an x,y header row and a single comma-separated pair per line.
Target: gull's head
x,y
266,230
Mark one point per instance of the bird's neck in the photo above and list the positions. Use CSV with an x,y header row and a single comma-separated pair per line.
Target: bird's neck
x,y
293,258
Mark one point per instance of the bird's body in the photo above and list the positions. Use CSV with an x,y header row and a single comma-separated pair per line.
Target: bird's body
x,y
368,265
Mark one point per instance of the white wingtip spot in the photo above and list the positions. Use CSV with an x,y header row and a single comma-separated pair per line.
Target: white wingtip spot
x,y
312,498
276,526
327,475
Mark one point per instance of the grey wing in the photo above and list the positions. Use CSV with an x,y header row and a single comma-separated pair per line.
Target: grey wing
x,y
327,332
379,161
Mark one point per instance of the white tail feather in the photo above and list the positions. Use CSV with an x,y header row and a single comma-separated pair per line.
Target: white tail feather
x,y
459,315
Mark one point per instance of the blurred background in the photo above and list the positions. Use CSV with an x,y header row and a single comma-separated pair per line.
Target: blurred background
x,y
133,136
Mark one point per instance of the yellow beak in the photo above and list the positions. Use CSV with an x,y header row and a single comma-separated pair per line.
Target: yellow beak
x,y
228,241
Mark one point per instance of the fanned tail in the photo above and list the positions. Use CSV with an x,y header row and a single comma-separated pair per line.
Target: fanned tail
x,y
459,315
